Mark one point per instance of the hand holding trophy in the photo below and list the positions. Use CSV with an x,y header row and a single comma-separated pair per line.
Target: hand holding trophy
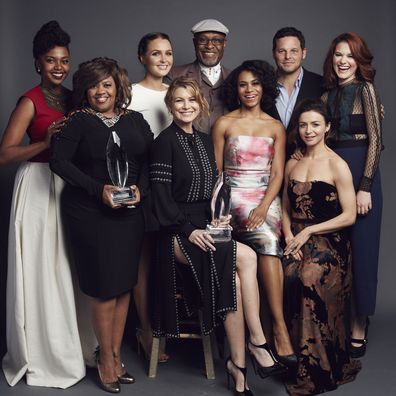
x,y
117,166
220,229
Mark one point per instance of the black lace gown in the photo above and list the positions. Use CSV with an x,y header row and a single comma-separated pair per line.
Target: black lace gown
x,y
318,293
182,175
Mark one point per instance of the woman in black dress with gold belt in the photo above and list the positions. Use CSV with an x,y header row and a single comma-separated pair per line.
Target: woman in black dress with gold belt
x,y
104,238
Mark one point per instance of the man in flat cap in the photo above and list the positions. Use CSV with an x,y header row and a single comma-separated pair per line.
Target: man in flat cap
x,y
210,39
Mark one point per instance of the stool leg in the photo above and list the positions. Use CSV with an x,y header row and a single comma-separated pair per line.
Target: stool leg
x,y
207,347
215,346
154,357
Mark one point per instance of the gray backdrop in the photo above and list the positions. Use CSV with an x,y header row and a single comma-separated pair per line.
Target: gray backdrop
x,y
113,28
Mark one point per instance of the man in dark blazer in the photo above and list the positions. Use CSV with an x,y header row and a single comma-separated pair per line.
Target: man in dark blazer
x,y
210,40
295,82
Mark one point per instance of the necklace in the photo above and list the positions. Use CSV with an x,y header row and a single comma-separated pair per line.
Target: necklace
x,y
108,121
56,100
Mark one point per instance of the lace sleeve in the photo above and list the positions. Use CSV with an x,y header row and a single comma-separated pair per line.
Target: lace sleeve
x,y
371,107
324,97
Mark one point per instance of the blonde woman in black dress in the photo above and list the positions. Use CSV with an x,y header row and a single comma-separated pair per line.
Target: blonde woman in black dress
x,y
223,276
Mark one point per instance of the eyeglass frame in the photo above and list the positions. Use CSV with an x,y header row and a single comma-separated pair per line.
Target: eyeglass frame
x,y
205,41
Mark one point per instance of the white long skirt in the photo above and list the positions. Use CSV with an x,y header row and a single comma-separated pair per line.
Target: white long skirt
x,y
42,334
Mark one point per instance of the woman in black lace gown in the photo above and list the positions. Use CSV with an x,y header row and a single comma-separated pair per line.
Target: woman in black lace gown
x,y
221,277
354,108
318,203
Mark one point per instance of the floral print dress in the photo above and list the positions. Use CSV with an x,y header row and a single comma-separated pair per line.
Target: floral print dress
x,y
318,291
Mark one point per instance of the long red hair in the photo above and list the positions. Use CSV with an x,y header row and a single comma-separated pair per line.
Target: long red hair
x,y
361,54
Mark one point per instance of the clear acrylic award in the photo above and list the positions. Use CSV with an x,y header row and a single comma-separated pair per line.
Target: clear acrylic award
x,y
117,166
220,208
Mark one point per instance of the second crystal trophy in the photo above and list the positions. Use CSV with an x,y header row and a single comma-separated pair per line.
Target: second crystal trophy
x,y
220,208
117,166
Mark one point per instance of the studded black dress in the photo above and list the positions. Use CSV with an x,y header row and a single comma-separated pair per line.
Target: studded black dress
x,y
318,289
182,174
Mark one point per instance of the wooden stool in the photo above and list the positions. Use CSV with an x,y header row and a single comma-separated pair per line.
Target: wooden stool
x,y
207,342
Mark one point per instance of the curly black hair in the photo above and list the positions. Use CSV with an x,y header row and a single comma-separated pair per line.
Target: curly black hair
x,y
49,36
267,77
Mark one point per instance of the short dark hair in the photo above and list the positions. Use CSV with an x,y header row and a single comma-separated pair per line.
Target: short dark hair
x,y
147,38
91,72
288,31
306,105
267,77
49,36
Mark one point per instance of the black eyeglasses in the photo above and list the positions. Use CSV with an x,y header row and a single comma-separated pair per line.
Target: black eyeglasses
x,y
215,41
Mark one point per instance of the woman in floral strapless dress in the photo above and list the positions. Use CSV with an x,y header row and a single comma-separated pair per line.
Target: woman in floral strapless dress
x,y
318,204
250,148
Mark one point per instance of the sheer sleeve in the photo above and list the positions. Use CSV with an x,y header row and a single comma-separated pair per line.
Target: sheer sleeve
x,y
324,97
166,209
64,146
371,107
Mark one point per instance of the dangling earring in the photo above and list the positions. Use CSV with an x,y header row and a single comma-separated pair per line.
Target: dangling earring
x,y
38,70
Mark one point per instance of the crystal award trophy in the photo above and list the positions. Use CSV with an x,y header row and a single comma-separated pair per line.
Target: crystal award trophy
x,y
117,166
220,207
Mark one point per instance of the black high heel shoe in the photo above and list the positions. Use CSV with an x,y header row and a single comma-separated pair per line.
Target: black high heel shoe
x,y
264,371
356,352
245,392
290,361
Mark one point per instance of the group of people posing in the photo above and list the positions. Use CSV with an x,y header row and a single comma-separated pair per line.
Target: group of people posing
x,y
308,230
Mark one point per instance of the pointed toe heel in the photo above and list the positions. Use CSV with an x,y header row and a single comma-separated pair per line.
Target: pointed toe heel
x,y
265,371
243,370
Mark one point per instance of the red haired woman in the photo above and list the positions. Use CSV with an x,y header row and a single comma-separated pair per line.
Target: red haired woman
x,y
354,107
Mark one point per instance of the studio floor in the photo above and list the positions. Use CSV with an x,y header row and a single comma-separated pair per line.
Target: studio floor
x,y
184,375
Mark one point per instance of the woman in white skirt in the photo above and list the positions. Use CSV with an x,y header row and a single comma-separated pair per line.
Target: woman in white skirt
x,y
42,336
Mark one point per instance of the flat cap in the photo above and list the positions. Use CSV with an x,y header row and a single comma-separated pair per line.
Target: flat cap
x,y
209,25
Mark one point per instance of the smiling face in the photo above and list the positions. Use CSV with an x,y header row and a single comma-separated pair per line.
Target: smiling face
x,y
344,64
102,96
250,90
288,54
184,107
209,47
312,128
54,66
158,58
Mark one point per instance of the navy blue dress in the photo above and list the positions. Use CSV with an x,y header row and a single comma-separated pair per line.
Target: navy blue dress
x,y
355,116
